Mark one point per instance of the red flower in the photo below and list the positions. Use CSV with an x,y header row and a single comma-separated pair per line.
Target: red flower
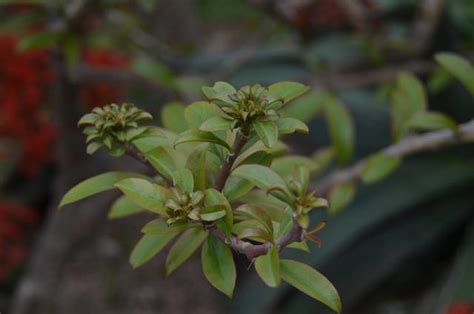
x,y
15,221
460,308
97,95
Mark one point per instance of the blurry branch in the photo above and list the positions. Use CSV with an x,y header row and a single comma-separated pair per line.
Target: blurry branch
x,y
83,74
284,10
425,25
356,14
409,146
368,77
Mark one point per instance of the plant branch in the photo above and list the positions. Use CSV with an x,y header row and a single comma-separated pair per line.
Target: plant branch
x,y
426,23
255,250
240,139
133,152
411,145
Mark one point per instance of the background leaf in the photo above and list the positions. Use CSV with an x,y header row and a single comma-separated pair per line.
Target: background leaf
x,y
311,282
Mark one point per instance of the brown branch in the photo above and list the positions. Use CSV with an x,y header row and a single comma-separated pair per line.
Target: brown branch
x,y
409,146
254,250
240,140
426,23
83,74
356,14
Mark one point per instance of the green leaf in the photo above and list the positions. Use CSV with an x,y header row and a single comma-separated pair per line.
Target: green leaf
x,y
291,125
288,90
302,246
184,247
458,67
159,226
378,167
216,124
172,117
413,90
306,107
236,187
257,213
267,131
340,196
38,40
212,213
268,267
197,164
310,282
263,177
94,185
123,207
183,178
153,70
286,223
148,246
162,161
223,88
218,265
198,112
341,129
407,99
260,158
200,136
145,194
213,197
431,121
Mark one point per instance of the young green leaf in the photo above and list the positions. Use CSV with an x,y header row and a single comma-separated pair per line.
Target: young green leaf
x,y
212,213
184,247
218,265
172,117
310,282
148,246
268,267
340,196
458,67
216,124
145,194
198,112
288,90
263,177
431,121
123,207
291,125
183,178
94,185
200,136
341,129
162,161
213,197
222,88
378,167
267,131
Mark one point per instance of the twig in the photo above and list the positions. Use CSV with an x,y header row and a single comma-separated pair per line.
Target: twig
x,y
240,140
83,74
356,14
411,145
426,23
254,250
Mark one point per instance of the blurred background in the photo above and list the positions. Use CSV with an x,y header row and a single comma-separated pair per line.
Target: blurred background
x,y
404,245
